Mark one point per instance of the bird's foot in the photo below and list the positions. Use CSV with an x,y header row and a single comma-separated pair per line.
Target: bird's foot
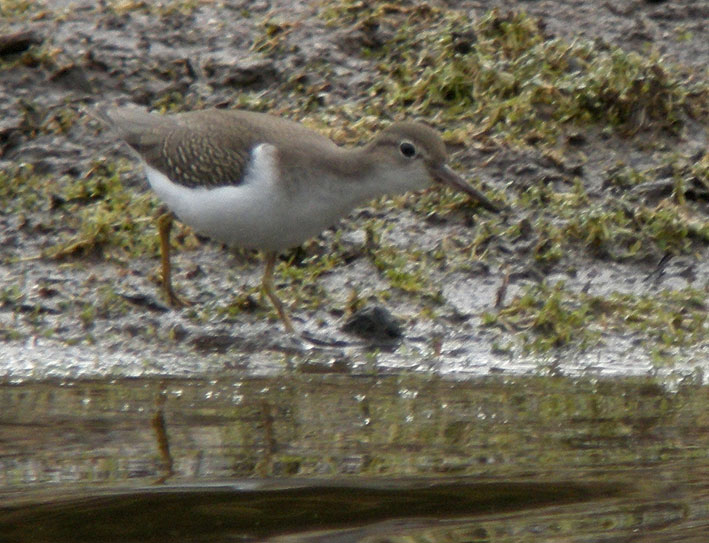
x,y
173,299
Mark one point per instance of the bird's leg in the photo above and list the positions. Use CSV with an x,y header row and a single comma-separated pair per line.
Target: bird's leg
x,y
267,286
164,227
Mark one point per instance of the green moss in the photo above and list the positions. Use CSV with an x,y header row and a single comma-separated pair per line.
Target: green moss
x,y
243,301
501,75
103,215
305,289
170,102
622,176
11,296
20,9
403,270
624,232
87,316
393,264
447,202
272,40
671,318
627,224
21,191
548,316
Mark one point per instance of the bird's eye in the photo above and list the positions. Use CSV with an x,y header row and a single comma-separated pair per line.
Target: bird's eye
x,y
407,149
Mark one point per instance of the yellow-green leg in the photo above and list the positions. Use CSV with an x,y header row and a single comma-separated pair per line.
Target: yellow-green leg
x,y
267,286
164,227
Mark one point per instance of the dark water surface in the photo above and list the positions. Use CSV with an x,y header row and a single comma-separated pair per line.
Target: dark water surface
x,y
342,458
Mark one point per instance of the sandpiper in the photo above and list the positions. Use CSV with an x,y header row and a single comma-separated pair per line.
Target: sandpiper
x,y
256,181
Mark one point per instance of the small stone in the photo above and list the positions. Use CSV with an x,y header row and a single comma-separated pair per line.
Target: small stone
x,y
374,323
18,42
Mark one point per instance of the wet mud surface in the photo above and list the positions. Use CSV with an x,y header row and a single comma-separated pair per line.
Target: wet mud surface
x,y
79,273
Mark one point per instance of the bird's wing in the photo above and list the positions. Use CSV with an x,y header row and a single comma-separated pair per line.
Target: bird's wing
x,y
207,148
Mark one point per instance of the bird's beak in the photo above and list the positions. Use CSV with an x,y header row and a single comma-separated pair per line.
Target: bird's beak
x,y
446,176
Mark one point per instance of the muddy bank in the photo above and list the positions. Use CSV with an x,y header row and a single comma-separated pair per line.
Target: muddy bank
x,y
588,121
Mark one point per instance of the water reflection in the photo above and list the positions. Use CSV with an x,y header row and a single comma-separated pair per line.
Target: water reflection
x,y
339,458
216,513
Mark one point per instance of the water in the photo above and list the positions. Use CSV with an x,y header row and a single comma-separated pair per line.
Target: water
x,y
342,458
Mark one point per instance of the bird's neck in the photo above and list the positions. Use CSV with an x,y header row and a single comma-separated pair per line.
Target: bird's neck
x,y
364,174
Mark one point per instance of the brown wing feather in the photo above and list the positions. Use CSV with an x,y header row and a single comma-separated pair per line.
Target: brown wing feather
x,y
212,147
192,149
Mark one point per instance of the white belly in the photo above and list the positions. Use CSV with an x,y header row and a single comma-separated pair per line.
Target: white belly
x,y
256,214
